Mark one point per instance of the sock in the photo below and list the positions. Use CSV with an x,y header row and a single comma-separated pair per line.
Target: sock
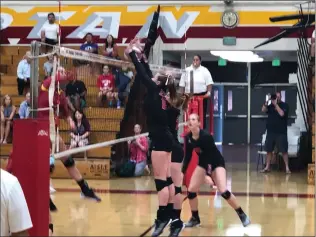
x,y
161,213
239,211
195,214
118,103
83,185
177,213
170,210
51,227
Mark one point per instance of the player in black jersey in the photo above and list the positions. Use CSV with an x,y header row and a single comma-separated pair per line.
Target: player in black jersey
x,y
210,161
159,131
175,105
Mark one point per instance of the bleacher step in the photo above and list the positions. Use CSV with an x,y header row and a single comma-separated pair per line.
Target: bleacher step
x,y
90,169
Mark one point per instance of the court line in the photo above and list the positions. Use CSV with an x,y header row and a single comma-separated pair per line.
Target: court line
x,y
153,225
211,193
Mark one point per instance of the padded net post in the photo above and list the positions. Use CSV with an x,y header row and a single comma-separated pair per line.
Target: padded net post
x,y
34,77
30,164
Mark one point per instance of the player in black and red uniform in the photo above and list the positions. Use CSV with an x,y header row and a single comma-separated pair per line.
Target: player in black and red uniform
x,y
212,162
59,96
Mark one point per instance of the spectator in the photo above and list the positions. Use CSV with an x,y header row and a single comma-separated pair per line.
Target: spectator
x,y
15,215
89,46
124,81
50,32
79,136
7,114
24,73
106,85
276,129
24,110
76,94
138,149
200,84
111,49
48,66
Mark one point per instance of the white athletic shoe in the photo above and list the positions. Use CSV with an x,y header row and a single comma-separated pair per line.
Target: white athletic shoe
x,y
51,188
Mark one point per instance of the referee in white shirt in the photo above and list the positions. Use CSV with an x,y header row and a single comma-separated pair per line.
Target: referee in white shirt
x,y
197,81
15,216
24,73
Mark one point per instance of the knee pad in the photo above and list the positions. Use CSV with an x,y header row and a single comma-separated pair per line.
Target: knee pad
x,y
169,181
160,184
51,227
191,195
70,162
178,190
226,195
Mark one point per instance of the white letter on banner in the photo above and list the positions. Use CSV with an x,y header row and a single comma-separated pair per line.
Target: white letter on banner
x,y
173,28
41,18
110,26
6,20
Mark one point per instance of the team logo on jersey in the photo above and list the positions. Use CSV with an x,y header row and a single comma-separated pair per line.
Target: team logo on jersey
x,y
42,133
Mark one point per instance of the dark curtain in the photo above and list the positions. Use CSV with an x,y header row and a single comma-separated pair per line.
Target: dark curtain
x,y
232,72
265,73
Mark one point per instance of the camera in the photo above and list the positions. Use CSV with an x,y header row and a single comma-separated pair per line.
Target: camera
x,y
273,96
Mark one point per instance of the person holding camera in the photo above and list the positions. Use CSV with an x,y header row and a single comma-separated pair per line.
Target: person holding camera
x,y
276,129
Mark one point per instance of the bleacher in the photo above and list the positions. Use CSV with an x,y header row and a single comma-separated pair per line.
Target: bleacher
x,y
105,122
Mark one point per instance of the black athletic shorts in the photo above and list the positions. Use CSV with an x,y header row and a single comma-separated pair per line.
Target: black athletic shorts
x,y
278,140
177,154
161,141
210,163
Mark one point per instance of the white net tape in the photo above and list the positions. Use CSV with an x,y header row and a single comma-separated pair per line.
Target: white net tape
x,y
100,145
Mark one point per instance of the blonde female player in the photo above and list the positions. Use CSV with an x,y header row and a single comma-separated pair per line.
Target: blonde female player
x,y
210,161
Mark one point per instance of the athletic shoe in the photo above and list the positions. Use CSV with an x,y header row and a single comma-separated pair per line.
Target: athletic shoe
x,y
52,206
176,227
244,219
160,226
193,222
91,194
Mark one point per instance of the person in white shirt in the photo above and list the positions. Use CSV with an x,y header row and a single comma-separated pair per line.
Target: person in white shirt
x,y
201,83
15,216
24,73
50,32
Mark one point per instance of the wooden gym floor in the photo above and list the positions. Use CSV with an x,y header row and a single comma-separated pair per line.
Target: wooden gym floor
x,y
278,205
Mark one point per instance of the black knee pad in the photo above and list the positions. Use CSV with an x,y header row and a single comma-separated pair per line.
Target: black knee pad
x,y
160,184
226,195
69,162
178,190
191,195
51,227
169,181
51,168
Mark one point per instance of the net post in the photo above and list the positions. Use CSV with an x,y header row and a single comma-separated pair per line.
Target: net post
x,y
34,77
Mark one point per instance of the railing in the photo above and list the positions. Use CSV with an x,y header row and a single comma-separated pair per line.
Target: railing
x,y
304,81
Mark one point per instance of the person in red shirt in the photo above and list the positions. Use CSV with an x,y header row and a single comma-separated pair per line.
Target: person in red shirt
x,y
43,102
106,85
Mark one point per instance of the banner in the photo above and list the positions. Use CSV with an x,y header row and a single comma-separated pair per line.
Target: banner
x,y
22,24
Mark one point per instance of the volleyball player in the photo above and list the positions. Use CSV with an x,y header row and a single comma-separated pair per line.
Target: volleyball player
x,y
174,107
212,162
43,102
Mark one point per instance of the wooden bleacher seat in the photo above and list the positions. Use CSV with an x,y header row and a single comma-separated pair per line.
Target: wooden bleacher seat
x,y
8,80
9,50
94,137
7,59
5,150
97,125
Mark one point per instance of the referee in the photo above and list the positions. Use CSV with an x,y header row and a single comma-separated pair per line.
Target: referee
x,y
197,81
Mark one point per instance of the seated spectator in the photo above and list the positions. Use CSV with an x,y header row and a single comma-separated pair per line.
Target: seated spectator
x,y
7,114
76,94
48,66
123,81
24,73
89,46
111,49
24,110
79,135
106,85
50,33
138,149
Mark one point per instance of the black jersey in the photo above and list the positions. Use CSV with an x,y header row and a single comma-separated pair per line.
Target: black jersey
x,y
209,155
154,104
173,118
